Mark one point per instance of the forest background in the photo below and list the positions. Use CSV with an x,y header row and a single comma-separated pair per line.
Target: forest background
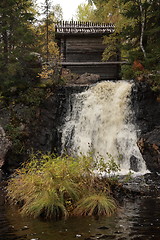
x,y
28,40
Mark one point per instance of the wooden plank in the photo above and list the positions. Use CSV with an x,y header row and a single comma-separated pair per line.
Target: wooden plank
x,y
84,57
92,63
88,44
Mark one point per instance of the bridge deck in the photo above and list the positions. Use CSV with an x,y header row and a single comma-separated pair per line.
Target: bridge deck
x,y
106,70
92,63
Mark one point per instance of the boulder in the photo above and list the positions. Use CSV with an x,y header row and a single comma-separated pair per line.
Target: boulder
x,y
75,79
88,78
149,145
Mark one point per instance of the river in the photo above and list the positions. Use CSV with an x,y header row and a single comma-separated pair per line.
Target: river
x,y
136,219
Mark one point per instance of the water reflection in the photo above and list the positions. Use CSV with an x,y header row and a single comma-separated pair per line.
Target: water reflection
x,y
139,219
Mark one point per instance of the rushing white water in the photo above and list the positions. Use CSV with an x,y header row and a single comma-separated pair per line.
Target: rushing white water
x,y
101,119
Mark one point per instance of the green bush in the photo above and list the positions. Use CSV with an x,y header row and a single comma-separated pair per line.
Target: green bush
x,y
55,187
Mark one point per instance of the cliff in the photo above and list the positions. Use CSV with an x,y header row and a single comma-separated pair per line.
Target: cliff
x,y
39,128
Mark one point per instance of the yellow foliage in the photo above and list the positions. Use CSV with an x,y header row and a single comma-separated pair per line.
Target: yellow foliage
x,y
46,73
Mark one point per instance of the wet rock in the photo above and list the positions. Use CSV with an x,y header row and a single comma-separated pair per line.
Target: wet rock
x,y
45,131
1,174
108,237
103,228
147,116
4,147
25,228
78,235
118,232
149,145
123,238
75,79
101,236
146,107
104,236
134,163
88,78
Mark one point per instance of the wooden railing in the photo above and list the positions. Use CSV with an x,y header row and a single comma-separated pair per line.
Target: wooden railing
x,y
83,27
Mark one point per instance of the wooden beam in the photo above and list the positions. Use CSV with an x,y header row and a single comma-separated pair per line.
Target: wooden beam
x,y
92,63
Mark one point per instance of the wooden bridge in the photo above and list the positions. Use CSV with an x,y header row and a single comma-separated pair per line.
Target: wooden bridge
x,y
81,46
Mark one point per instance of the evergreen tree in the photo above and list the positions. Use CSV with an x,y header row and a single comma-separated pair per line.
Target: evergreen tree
x,y
17,42
46,31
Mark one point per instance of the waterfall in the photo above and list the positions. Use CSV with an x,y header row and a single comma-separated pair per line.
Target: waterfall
x,y
101,119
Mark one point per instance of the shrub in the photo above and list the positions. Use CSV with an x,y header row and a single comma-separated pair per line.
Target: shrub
x,y
55,187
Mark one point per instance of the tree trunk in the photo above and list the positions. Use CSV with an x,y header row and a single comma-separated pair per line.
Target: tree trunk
x,y
5,41
142,28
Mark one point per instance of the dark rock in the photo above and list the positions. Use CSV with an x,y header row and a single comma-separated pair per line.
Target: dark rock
x,y
88,78
107,237
147,116
1,174
24,228
103,228
101,236
122,238
45,131
146,107
4,146
149,145
75,79
134,164
118,232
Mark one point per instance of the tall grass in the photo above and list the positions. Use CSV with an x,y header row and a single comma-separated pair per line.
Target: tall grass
x,y
56,187
95,204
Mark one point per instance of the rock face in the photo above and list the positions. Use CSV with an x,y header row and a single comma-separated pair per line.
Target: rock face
x,y
146,107
45,133
4,147
42,131
149,145
147,114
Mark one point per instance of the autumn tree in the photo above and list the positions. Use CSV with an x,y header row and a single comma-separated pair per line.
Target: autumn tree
x,y
47,44
86,13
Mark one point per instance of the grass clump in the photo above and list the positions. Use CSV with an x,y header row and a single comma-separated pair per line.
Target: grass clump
x,y
95,204
56,187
